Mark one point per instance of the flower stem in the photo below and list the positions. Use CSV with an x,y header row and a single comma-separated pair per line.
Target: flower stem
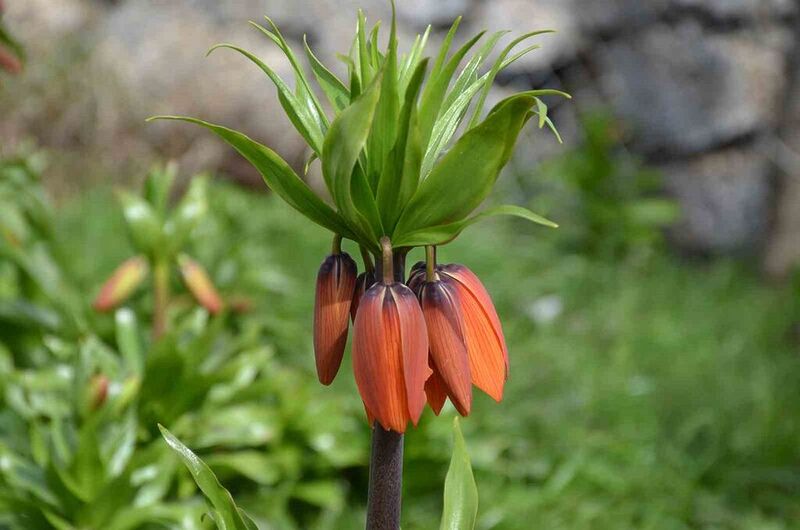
x,y
385,480
430,263
336,247
160,297
386,460
387,261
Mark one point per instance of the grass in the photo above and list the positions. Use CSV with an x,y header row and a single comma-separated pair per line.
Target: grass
x,y
648,393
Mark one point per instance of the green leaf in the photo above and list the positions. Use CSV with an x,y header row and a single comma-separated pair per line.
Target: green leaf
x,y
336,92
402,169
348,184
144,225
466,174
436,87
499,65
278,176
192,208
129,340
412,60
460,491
158,185
303,88
439,235
227,515
384,128
302,114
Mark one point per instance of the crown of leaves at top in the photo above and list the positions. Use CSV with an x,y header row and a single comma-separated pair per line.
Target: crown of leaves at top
x,y
389,156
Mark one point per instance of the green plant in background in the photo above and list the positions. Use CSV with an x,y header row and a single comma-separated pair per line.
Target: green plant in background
x,y
400,177
36,292
78,420
159,235
611,203
460,491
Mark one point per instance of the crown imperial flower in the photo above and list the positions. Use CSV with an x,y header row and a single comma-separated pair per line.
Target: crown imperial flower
x,y
408,151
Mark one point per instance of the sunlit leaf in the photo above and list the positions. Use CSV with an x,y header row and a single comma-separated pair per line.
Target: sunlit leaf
x,y
439,235
465,176
278,176
226,514
460,491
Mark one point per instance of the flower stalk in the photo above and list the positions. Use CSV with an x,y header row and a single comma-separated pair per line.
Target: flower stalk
x,y
384,498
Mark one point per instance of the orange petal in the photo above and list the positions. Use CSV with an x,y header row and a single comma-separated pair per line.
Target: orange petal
x,y
436,391
336,282
363,282
415,348
121,284
377,358
486,346
442,310
199,284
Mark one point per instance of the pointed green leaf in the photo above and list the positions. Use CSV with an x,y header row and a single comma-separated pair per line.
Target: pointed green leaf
x,y
436,89
412,60
439,235
129,340
158,185
143,223
227,515
303,88
460,491
278,176
347,183
300,113
190,210
365,71
401,175
465,176
384,129
334,89
499,65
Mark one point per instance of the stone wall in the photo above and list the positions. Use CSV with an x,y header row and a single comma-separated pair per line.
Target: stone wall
x,y
707,87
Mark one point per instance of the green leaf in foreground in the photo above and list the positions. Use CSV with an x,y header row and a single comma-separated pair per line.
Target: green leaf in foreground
x,y
226,514
460,491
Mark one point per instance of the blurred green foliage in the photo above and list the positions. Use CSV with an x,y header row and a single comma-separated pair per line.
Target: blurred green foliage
x,y
607,202
644,392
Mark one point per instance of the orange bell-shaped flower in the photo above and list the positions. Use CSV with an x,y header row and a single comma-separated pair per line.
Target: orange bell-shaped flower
x,y
448,350
486,345
390,351
336,281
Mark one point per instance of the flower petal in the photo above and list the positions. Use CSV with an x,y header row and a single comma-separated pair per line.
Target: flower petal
x,y
377,358
486,346
442,310
436,391
336,282
414,341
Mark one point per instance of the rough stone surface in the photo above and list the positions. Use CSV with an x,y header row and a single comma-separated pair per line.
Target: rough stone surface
x,y
723,196
686,91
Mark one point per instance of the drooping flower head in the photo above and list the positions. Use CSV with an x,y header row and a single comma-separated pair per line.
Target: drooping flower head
x,y
408,152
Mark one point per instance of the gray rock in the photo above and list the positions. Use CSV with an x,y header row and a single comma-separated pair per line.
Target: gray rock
x,y
687,91
727,9
523,16
723,196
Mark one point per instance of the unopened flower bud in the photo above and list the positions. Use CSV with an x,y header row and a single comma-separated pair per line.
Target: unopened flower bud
x,y
336,283
121,284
